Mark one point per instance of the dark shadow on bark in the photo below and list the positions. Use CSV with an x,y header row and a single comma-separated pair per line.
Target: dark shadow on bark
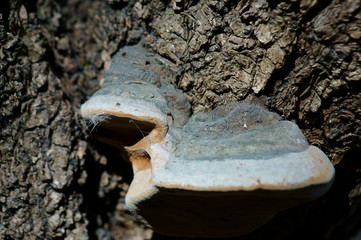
x,y
30,5
94,205
5,11
348,175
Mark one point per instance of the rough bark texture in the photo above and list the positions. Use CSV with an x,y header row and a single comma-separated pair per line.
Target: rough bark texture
x,y
300,58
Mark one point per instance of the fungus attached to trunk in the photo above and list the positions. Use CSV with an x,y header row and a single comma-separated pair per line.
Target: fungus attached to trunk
x,y
221,173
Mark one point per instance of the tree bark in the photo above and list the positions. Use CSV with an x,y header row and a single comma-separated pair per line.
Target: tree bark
x,y
302,59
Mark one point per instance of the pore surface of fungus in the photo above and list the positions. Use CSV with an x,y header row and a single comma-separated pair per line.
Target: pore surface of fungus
x,y
216,174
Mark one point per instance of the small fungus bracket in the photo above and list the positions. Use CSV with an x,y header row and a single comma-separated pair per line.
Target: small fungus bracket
x,y
207,175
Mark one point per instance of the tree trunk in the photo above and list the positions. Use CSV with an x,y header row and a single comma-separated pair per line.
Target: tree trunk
x,y
302,59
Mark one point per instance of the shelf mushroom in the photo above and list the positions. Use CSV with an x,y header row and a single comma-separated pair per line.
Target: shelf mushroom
x,y
216,174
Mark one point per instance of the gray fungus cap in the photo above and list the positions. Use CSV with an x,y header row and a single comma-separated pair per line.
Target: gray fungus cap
x,y
214,174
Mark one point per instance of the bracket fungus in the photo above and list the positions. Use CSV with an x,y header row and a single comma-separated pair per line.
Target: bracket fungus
x,y
216,174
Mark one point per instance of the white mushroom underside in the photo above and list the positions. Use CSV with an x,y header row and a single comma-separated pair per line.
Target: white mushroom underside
x,y
284,172
120,106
